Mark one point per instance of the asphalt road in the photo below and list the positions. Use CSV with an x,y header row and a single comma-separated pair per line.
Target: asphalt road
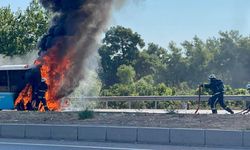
x,y
20,144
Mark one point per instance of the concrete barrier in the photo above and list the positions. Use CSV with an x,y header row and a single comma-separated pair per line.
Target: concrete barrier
x,y
153,135
224,138
173,136
92,133
61,132
38,131
246,139
187,136
13,131
122,134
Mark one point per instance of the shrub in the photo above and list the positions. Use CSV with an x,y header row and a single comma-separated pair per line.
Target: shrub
x,y
86,114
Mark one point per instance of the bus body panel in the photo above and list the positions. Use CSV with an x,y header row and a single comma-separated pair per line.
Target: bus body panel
x,y
13,79
7,100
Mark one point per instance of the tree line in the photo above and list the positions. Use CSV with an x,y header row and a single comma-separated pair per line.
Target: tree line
x,y
129,67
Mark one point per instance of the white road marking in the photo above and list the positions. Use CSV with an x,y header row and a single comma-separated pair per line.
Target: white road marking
x,y
71,146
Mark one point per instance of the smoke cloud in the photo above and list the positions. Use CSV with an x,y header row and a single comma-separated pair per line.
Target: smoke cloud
x,y
25,59
70,40
119,4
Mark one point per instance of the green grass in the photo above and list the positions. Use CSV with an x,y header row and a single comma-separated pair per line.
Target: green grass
x,y
86,114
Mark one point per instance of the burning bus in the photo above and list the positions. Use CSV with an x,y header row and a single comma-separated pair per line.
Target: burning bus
x,y
20,87
12,81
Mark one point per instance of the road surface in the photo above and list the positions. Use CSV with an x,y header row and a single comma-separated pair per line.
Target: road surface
x,y
24,144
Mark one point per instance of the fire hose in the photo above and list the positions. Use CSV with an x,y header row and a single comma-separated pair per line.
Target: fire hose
x,y
244,111
199,100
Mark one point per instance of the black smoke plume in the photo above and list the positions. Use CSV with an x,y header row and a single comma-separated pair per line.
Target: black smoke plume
x,y
70,39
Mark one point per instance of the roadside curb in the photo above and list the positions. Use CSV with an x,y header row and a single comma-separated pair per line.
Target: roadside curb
x,y
145,135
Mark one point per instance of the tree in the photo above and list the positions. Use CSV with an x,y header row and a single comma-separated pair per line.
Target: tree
x,y
176,66
151,61
126,74
197,57
120,46
228,60
163,90
20,31
244,57
145,86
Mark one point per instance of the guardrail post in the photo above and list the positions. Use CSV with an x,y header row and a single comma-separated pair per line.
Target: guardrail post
x,y
156,102
107,105
129,105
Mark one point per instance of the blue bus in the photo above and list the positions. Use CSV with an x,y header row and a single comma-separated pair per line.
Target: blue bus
x,y
12,81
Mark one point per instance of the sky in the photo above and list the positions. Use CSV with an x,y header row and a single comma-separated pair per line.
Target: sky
x,y
162,21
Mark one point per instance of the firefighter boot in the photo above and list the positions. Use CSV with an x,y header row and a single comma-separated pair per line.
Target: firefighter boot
x,y
229,110
46,108
214,111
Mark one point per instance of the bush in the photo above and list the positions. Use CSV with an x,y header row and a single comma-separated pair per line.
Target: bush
x,y
86,114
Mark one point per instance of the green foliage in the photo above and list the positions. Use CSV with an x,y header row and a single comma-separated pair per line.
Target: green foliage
x,y
184,89
119,90
120,47
145,86
228,90
176,66
169,105
177,70
240,91
126,74
86,114
126,87
198,58
151,61
163,90
19,31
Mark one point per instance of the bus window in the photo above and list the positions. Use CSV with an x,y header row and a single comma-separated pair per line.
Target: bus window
x,y
17,80
3,81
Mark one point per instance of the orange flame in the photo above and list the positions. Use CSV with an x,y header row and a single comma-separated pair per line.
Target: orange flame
x,y
54,73
53,70
24,96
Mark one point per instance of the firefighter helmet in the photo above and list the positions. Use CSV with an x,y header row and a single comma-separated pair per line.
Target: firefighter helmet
x,y
212,76
248,86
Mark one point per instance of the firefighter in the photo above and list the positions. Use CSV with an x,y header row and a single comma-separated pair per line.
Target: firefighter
x,y
217,88
248,88
42,89
33,77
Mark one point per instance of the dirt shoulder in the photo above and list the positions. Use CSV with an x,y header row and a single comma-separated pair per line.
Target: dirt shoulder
x,y
231,122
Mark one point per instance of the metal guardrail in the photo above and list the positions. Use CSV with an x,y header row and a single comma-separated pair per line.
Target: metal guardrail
x,y
156,99
161,98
